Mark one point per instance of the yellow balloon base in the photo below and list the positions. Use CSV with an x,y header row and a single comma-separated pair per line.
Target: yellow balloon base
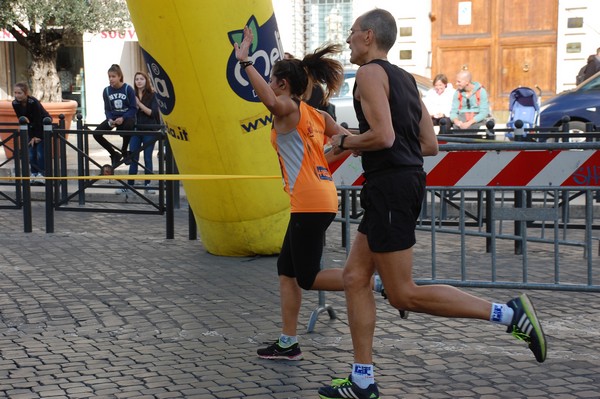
x,y
215,123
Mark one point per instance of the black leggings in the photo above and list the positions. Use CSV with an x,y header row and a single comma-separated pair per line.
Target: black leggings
x,y
128,124
302,247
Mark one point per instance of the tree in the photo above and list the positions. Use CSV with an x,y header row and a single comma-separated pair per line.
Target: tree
x,y
43,26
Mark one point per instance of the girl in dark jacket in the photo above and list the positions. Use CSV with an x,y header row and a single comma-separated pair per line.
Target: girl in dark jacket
x,y
30,107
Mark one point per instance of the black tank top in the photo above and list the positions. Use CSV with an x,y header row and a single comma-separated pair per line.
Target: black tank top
x,y
405,107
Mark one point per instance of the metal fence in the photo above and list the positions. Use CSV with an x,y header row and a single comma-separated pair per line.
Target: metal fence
x,y
59,195
531,225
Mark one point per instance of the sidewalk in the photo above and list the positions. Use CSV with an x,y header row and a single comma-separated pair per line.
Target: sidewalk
x,y
107,308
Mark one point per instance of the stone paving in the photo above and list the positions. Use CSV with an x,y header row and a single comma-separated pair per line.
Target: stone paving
x,y
106,307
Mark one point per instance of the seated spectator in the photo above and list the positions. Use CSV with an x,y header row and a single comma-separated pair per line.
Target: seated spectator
x,y
438,99
470,105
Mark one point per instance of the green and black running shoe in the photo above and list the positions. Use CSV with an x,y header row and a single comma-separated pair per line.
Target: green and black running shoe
x,y
276,352
345,388
526,326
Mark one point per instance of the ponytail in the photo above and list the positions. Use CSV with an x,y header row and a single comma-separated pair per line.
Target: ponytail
x,y
313,69
324,71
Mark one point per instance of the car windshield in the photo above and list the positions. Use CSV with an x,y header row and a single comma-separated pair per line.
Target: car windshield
x,y
592,85
347,86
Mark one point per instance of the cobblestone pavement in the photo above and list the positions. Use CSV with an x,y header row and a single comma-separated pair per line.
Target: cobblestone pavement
x,y
106,307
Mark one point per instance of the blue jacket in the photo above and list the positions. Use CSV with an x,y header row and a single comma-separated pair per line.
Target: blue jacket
x,y
120,102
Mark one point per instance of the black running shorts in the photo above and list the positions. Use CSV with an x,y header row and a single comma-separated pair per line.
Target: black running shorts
x,y
302,248
392,202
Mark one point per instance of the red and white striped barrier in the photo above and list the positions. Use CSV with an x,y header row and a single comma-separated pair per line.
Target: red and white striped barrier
x,y
545,168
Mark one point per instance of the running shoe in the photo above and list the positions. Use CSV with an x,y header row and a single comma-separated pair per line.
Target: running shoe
x,y
345,388
276,352
525,326
403,313
41,180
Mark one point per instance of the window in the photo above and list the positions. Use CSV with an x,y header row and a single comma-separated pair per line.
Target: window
x,y
327,21
574,47
575,23
405,31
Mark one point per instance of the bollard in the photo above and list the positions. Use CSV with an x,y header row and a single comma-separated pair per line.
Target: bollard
x,y
489,133
444,126
519,131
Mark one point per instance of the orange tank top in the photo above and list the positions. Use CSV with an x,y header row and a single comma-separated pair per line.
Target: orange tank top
x,y
305,172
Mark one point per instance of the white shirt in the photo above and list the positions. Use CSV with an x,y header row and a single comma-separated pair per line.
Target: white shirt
x,y
439,103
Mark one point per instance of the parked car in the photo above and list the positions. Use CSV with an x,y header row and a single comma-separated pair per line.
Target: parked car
x,y
581,104
344,107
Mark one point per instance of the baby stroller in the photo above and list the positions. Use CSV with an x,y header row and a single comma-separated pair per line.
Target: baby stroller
x,y
524,105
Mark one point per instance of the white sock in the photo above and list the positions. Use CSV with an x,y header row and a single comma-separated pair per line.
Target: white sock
x,y
377,283
285,341
501,314
362,375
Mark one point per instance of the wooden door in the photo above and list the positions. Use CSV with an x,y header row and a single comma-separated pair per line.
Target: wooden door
x,y
504,43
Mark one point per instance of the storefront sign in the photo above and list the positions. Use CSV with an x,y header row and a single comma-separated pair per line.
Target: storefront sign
x,y
6,36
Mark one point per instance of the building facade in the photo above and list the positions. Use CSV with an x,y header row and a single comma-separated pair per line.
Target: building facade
x,y
506,43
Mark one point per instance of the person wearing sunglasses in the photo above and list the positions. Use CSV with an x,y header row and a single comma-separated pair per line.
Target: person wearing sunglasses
x,y
470,105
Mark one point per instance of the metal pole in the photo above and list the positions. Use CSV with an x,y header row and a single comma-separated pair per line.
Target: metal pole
x,y
48,161
63,160
192,227
519,223
170,194
80,165
25,172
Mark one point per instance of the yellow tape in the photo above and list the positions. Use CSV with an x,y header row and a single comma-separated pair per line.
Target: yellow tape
x,y
144,177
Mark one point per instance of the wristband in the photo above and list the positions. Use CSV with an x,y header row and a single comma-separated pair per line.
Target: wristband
x,y
245,64
341,146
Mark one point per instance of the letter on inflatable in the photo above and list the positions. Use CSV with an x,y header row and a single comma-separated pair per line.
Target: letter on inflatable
x,y
216,125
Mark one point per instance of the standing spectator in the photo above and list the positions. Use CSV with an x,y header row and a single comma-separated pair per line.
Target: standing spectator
x,y
148,116
470,106
438,100
120,107
592,66
30,107
396,132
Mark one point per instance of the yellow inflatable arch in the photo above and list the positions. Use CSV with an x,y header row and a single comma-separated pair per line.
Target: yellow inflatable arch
x,y
216,125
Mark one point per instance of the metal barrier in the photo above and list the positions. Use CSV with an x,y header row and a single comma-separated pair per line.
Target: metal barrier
x,y
542,227
12,144
60,196
56,193
544,218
